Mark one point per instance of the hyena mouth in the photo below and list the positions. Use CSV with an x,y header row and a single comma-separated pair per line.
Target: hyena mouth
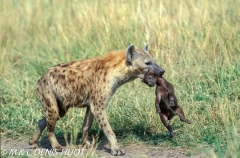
x,y
158,70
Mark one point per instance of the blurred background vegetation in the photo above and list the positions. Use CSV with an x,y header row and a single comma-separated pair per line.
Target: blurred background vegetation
x,y
196,42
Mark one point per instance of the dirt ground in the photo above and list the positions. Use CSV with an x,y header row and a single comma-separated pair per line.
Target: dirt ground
x,y
12,148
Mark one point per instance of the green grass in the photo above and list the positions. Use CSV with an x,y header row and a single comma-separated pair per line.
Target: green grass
x,y
196,42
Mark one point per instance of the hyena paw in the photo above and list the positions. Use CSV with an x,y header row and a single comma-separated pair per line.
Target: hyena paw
x,y
172,134
117,151
31,142
171,102
188,121
58,148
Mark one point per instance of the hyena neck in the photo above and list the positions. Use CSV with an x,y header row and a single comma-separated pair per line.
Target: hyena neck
x,y
121,78
118,70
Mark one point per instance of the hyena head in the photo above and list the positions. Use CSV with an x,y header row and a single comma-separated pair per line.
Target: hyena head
x,y
142,62
150,78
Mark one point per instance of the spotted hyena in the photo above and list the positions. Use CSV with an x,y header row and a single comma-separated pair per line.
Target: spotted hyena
x,y
89,83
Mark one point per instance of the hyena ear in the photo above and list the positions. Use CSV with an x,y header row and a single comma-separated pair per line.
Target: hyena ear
x,y
131,53
146,48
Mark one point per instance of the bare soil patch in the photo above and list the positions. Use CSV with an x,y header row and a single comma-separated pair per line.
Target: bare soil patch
x,y
9,146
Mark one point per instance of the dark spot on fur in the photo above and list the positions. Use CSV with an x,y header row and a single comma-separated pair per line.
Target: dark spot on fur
x,y
102,118
61,76
64,85
44,81
49,110
56,82
104,125
99,68
115,65
71,80
104,80
71,63
105,73
56,65
78,66
100,113
64,65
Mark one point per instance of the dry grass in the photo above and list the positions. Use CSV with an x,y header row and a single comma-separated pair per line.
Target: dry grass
x,y
196,42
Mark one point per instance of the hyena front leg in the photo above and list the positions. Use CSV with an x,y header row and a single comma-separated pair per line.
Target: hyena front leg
x,y
101,116
86,126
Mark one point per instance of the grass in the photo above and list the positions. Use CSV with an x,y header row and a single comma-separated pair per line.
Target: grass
x,y
196,42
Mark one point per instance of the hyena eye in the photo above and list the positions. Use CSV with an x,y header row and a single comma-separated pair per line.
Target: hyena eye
x,y
148,63
149,77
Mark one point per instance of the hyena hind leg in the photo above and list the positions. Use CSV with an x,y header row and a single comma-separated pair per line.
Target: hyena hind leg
x,y
52,114
41,126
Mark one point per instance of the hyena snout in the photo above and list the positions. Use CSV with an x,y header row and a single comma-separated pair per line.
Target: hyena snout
x,y
157,70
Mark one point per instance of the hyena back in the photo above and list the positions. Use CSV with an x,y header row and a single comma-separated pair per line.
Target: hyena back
x,y
89,83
